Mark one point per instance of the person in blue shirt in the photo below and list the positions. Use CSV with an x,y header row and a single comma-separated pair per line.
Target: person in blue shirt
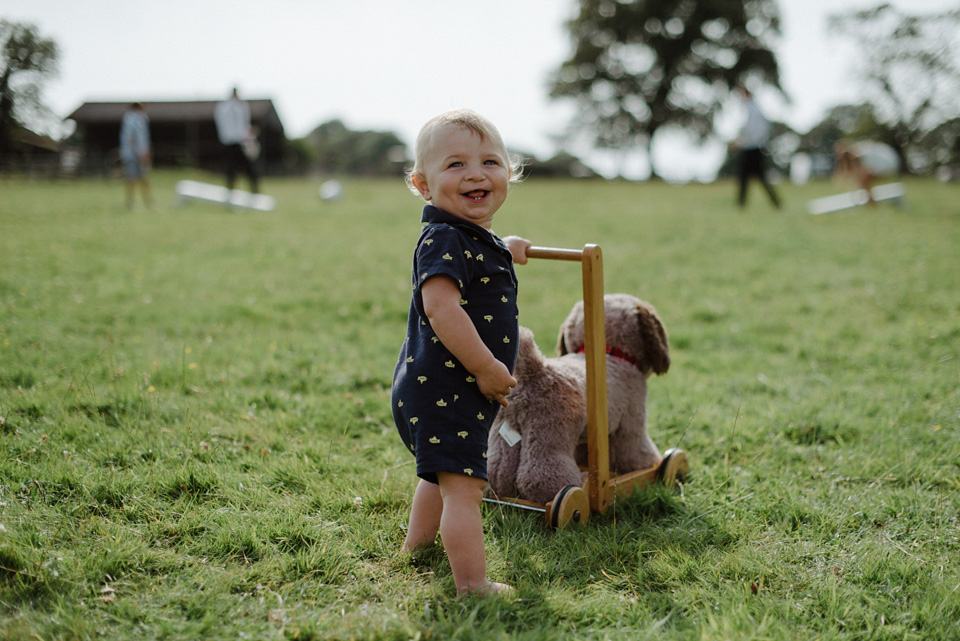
x,y
455,367
135,152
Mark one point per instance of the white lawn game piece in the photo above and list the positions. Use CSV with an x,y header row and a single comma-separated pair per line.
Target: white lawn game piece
x,y
188,190
830,204
331,191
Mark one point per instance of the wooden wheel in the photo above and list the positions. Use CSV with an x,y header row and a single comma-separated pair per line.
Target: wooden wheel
x,y
571,505
673,467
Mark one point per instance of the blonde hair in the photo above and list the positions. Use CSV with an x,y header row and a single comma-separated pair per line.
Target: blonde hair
x,y
468,120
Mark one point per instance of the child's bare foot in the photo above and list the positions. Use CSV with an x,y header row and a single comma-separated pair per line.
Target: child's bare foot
x,y
488,589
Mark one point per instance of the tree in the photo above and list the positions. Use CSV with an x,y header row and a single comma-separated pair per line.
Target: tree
x,y
562,165
845,121
943,144
641,65
909,68
850,122
26,59
369,153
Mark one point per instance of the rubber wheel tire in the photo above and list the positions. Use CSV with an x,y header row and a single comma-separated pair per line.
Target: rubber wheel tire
x,y
570,505
673,467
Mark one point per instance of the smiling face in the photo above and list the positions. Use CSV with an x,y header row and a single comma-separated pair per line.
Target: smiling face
x,y
464,174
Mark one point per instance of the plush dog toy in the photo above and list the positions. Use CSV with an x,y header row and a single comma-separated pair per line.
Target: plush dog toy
x,y
548,408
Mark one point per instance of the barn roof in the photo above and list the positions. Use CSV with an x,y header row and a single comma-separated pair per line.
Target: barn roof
x,y
261,110
35,140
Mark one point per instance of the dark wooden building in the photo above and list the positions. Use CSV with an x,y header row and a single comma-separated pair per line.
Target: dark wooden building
x,y
183,134
31,153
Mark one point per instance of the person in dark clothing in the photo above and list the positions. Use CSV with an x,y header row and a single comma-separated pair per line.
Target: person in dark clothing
x,y
751,141
239,140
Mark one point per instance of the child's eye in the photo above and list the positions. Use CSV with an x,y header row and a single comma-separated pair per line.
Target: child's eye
x,y
492,162
456,163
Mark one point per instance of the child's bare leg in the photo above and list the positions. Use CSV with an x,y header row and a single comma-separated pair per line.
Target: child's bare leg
x,y
424,516
865,182
461,529
868,186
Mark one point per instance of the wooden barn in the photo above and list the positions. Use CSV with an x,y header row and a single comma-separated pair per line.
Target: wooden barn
x,y
183,134
32,153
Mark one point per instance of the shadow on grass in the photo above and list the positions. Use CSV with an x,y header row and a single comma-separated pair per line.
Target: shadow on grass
x,y
652,524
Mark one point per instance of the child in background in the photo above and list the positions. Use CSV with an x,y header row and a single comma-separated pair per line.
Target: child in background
x,y
455,367
865,161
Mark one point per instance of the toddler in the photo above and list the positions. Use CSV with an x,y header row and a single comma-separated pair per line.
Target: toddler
x,y
454,369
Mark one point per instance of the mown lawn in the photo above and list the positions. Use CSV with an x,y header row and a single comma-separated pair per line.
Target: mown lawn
x,y
196,441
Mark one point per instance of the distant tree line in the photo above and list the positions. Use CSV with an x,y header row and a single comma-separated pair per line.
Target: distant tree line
x,y
909,66
334,149
909,70
639,67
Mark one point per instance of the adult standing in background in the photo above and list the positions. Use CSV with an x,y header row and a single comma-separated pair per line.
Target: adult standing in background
x,y
135,153
232,117
751,141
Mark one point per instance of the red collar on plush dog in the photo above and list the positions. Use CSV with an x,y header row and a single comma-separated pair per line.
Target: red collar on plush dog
x,y
616,353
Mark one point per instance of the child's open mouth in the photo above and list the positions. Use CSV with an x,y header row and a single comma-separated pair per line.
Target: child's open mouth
x,y
477,195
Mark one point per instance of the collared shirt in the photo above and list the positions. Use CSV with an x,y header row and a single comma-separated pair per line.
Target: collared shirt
x,y
756,128
233,121
438,408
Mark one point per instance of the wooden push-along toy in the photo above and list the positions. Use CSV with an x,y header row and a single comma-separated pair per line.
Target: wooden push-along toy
x,y
575,504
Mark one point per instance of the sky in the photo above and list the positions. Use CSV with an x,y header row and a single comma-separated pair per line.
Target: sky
x,y
390,65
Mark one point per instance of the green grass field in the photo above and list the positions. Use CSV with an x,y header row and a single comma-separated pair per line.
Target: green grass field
x,y
196,441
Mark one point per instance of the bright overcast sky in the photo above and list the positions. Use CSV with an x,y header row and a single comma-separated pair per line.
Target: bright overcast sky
x,y
391,64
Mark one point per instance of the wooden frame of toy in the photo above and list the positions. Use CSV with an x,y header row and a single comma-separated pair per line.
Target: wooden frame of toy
x,y
573,505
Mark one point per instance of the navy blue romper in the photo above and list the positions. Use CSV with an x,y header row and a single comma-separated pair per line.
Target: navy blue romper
x,y
440,413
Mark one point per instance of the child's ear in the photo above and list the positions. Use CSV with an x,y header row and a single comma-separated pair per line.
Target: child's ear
x,y
421,184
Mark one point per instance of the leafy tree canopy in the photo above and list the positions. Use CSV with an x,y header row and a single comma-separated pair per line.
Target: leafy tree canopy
x,y
340,150
639,65
26,59
857,122
910,69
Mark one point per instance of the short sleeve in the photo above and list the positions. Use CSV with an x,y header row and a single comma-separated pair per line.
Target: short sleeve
x,y
441,251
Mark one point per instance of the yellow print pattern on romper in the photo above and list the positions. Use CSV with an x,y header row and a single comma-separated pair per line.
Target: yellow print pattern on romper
x,y
463,434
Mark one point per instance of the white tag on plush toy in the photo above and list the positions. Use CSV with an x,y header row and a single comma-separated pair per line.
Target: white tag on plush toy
x,y
510,435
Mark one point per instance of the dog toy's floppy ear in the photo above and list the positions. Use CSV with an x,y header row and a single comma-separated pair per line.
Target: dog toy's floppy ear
x,y
656,347
571,331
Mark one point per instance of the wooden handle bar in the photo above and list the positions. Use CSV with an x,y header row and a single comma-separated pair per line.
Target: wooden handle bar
x,y
598,449
555,253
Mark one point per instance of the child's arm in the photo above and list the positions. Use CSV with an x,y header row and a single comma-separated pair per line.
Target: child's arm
x,y
441,302
518,247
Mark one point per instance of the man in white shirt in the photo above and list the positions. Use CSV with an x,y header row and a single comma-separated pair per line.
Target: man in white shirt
x,y
232,117
751,140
